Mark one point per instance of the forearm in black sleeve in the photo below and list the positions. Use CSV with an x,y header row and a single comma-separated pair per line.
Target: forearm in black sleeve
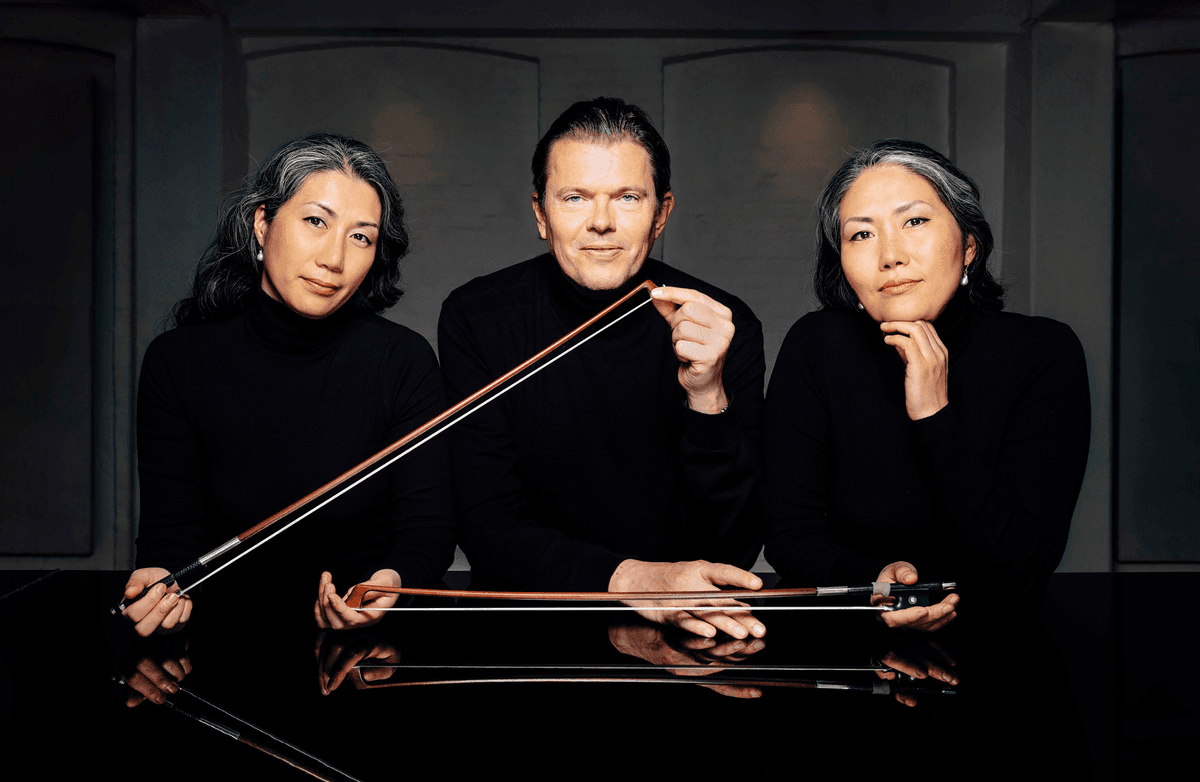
x,y
798,456
722,459
1016,515
171,526
422,520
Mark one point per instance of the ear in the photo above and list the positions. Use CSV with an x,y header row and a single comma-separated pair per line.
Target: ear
x,y
664,213
540,216
261,224
969,251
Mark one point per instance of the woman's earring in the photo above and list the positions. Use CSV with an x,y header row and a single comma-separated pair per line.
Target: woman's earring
x,y
258,257
861,307
963,281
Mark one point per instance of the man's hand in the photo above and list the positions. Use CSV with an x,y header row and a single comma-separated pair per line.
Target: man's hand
x,y
162,611
687,655
701,331
635,576
927,618
332,613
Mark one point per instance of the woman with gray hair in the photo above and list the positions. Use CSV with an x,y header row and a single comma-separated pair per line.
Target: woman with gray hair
x,y
280,375
910,422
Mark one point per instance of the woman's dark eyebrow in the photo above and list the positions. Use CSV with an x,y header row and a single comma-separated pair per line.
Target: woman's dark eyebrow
x,y
902,208
333,214
908,205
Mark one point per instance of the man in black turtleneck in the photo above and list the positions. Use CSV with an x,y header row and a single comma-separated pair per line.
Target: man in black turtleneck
x,y
635,455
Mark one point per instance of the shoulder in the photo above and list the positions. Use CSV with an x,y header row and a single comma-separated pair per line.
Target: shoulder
x,y
182,343
1039,352
1037,336
379,331
662,274
824,330
510,287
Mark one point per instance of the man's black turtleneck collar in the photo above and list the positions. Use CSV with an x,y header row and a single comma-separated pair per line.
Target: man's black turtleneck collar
x,y
585,301
277,328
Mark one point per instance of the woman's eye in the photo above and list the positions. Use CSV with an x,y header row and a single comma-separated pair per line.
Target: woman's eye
x,y
315,221
858,237
363,238
917,220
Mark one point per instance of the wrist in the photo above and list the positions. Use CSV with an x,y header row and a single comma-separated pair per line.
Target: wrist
x,y
711,402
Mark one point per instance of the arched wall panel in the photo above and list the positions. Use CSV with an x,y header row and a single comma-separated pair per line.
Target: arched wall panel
x,y
456,126
754,134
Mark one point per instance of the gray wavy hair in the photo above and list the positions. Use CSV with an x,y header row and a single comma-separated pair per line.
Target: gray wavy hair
x,y
229,273
957,191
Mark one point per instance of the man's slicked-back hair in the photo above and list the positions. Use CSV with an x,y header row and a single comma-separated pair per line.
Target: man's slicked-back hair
x,y
607,120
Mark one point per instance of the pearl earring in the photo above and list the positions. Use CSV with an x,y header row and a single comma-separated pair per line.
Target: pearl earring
x,y
963,281
258,257
860,306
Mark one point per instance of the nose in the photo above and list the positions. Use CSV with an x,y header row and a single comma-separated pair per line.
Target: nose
x,y
334,257
890,254
601,218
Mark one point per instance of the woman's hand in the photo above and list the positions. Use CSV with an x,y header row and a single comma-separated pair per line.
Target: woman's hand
x,y
332,613
153,679
926,364
161,612
926,618
339,656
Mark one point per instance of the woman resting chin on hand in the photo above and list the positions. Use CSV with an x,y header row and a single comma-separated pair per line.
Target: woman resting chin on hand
x,y
910,417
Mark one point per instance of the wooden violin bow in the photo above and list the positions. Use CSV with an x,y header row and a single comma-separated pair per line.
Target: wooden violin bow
x,y
902,593
426,431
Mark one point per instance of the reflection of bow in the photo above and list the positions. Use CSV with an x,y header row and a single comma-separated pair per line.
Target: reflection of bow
x,y
735,676
906,595
413,440
240,737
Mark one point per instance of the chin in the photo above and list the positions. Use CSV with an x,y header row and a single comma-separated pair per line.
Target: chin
x,y
602,281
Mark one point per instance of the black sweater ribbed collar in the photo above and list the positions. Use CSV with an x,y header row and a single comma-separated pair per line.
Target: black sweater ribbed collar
x,y
274,326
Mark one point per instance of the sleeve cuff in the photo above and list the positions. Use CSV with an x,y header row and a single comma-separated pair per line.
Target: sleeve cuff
x,y
710,432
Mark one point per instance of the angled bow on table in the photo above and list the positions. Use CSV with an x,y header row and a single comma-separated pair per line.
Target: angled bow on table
x,y
413,440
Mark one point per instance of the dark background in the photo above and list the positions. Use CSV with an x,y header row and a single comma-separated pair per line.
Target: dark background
x,y
128,121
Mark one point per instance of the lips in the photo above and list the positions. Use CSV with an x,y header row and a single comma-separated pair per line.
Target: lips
x,y
321,288
896,287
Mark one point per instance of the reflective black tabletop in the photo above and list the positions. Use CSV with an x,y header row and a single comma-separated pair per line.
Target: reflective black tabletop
x,y
1091,684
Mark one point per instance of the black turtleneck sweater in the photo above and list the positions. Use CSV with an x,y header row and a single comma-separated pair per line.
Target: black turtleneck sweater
x,y
238,419
595,459
983,489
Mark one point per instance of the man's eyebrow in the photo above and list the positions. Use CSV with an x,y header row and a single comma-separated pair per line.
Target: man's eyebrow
x,y
333,214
